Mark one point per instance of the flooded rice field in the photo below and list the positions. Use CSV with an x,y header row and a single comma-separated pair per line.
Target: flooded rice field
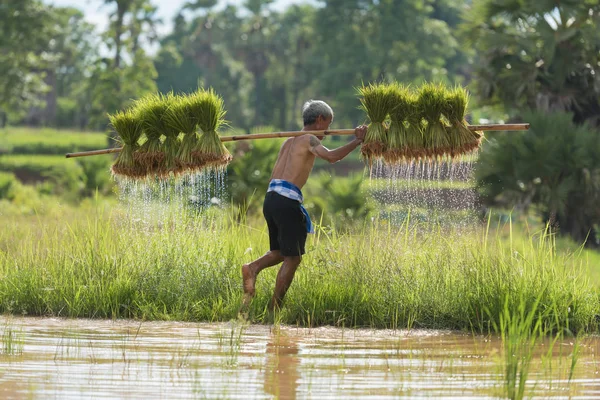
x,y
58,358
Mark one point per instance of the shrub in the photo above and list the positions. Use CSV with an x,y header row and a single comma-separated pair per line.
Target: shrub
x,y
553,168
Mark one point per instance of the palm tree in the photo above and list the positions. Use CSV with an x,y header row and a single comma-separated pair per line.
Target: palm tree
x,y
123,7
554,169
254,51
144,19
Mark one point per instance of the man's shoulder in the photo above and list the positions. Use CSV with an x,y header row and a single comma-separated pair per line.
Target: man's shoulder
x,y
312,141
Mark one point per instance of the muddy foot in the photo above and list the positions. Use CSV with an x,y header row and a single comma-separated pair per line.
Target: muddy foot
x,y
249,278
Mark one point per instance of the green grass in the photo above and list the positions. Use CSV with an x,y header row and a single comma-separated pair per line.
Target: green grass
x,y
49,141
99,264
32,168
9,162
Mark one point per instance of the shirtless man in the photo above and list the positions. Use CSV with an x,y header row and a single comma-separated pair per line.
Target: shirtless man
x,y
287,220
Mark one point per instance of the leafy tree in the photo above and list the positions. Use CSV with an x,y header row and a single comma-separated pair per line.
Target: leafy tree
x,y
26,27
553,168
144,21
541,55
115,83
361,41
292,66
118,26
254,50
70,56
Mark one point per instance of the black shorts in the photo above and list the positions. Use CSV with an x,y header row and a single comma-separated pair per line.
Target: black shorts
x,y
287,224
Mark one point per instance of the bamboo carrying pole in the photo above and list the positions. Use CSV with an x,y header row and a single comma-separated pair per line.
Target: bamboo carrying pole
x,y
338,132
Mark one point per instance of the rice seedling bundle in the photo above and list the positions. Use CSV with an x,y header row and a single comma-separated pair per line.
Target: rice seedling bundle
x,y
129,129
415,140
463,140
209,150
170,146
376,101
181,116
432,102
397,136
151,110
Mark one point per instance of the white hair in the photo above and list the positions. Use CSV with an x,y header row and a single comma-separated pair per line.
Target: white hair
x,y
313,108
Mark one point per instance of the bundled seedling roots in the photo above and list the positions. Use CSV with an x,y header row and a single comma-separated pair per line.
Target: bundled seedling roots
x,y
376,101
214,154
129,129
432,99
210,151
396,145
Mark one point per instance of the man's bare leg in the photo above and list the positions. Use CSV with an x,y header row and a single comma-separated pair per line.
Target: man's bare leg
x,y
284,280
251,270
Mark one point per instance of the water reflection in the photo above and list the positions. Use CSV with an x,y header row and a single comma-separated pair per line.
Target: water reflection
x,y
281,367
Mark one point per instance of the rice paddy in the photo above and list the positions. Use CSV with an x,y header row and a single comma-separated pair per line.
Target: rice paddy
x,y
108,359
172,250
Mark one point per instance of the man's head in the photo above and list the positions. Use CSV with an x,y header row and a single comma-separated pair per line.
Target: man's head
x,y
317,115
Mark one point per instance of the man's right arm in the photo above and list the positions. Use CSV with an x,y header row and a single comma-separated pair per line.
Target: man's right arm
x,y
333,156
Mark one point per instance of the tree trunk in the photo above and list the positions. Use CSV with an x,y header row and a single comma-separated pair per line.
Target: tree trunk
x,y
258,99
118,32
579,228
49,115
283,107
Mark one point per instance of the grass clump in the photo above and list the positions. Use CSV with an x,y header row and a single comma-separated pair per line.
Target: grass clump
x,y
129,129
463,140
432,101
210,151
397,148
417,276
376,100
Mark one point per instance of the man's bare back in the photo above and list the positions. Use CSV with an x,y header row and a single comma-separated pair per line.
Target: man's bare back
x,y
295,161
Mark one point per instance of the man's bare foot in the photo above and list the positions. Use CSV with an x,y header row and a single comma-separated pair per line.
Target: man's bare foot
x,y
249,278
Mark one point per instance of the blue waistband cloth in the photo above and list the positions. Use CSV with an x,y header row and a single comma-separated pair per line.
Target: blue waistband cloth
x,y
291,191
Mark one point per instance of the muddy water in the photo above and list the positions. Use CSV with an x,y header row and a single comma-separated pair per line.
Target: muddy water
x,y
57,358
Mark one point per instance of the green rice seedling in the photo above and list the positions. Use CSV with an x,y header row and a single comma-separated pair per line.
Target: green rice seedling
x,y
462,139
12,341
376,101
210,151
182,116
432,98
129,129
415,141
170,146
151,112
397,136
521,328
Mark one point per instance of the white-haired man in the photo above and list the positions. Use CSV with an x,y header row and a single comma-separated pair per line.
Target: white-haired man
x,y
287,220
